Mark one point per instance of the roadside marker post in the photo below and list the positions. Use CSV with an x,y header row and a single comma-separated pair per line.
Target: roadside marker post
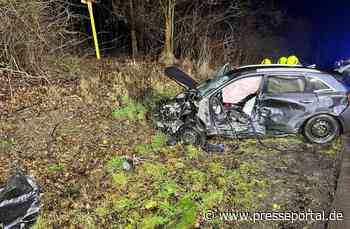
x,y
92,19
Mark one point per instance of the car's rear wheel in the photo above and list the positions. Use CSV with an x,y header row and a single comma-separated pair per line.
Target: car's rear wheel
x,y
191,136
321,129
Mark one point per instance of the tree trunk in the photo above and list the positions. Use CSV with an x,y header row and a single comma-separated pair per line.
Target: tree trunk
x,y
169,11
140,24
133,30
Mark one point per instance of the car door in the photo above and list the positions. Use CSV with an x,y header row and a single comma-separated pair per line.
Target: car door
x,y
284,101
228,116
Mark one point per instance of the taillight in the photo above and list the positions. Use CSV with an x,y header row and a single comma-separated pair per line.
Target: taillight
x,y
348,95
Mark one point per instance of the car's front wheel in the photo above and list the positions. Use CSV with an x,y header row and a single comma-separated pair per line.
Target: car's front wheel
x,y
321,129
191,136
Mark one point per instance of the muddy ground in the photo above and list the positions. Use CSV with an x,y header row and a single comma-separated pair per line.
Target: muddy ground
x,y
73,146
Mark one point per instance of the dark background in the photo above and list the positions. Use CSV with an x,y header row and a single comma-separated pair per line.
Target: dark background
x,y
317,31
330,22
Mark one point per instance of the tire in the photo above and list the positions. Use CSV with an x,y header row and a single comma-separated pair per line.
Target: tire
x,y
321,129
189,135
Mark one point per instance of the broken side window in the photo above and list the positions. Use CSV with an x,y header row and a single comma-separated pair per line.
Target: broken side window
x,y
241,89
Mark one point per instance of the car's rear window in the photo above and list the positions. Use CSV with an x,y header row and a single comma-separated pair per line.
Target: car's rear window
x,y
285,84
334,81
344,79
318,85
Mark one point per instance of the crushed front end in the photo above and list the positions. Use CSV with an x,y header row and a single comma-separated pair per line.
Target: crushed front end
x,y
170,115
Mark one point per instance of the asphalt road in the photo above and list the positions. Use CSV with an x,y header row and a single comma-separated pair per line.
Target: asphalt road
x,y
342,197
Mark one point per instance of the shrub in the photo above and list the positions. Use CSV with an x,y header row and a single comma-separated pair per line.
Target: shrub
x,y
32,30
131,111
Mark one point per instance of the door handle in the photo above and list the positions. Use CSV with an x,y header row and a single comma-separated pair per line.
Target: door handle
x,y
306,101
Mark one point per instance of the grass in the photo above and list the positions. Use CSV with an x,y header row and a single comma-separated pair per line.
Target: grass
x,y
171,187
120,180
130,110
143,149
174,193
55,168
115,164
102,211
5,144
158,141
41,223
84,220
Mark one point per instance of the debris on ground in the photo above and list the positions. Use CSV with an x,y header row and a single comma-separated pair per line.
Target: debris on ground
x,y
214,148
19,203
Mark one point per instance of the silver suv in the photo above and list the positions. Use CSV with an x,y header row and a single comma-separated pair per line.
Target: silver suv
x,y
257,100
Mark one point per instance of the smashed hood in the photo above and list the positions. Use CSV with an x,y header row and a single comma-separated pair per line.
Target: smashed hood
x,y
180,77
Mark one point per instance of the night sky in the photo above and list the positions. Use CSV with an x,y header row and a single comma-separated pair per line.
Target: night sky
x,y
330,23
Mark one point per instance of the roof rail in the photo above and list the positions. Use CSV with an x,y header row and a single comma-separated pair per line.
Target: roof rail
x,y
270,65
290,69
312,66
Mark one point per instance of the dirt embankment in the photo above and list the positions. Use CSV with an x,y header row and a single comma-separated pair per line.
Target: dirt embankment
x,y
72,146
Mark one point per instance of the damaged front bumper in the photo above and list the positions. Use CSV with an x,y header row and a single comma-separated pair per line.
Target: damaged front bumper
x,y
171,115
167,116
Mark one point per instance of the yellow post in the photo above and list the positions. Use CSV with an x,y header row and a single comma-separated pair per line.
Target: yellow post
x,y
89,3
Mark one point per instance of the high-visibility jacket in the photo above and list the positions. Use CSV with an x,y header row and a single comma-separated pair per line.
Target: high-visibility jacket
x,y
266,61
282,60
293,60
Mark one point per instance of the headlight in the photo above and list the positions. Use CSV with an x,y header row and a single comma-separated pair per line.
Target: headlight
x,y
181,96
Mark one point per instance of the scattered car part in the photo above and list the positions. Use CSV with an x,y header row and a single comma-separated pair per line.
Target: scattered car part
x,y
180,77
171,141
214,148
129,163
19,203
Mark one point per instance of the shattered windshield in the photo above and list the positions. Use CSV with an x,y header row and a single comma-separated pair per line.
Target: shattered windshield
x,y
219,79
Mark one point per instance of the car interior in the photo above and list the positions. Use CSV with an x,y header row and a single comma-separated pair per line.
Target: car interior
x,y
242,94
237,100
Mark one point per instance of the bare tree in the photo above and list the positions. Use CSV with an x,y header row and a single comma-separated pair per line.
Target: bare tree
x,y
133,29
31,30
168,10
126,9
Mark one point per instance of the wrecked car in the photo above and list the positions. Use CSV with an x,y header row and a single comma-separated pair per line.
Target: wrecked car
x,y
256,101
